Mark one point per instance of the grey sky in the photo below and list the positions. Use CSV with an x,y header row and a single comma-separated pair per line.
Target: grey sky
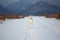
x,y
7,2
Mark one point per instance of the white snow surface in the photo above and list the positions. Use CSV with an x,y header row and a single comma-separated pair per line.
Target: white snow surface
x,y
42,29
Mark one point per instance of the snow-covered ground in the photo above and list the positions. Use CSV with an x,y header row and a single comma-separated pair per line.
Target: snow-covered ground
x,y
42,29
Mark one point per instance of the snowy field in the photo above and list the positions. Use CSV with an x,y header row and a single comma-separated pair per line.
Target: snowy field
x,y
42,29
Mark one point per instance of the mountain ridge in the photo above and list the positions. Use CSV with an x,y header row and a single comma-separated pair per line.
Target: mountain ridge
x,y
33,9
43,7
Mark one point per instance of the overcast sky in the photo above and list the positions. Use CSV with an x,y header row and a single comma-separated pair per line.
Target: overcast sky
x,y
7,2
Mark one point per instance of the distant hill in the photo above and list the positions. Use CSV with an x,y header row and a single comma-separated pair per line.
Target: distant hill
x,y
3,10
18,6
43,8
33,9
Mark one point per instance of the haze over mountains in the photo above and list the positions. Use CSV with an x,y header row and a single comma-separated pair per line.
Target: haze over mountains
x,y
30,9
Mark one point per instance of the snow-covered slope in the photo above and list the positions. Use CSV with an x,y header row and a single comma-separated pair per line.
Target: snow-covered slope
x,y
18,29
